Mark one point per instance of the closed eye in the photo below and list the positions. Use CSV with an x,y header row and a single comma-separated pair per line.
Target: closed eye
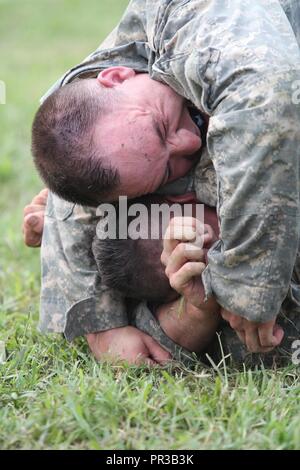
x,y
165,130
168,173
161,131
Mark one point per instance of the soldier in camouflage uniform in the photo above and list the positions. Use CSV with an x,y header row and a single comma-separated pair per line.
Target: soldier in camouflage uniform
x,y
237,62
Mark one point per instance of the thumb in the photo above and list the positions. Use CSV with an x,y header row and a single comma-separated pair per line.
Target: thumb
x,y
278,334
33,229
157,352
35,221
32,220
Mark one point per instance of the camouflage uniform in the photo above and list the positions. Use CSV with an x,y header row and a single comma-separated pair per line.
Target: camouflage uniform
x,y
236,61
73,300
226,347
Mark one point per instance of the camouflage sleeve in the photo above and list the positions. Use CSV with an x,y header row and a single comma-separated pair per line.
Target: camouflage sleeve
x,y
205,180
238,61
73,301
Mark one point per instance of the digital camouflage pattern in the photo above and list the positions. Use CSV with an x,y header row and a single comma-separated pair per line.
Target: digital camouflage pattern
x,y
73,300
226,347
236,61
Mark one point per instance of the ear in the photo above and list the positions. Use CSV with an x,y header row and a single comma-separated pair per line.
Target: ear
x,y
114,76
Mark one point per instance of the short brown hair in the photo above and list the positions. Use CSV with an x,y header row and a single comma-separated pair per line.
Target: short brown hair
x,y
63,148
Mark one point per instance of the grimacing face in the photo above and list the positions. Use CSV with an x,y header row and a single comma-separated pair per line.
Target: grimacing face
x,y
149,136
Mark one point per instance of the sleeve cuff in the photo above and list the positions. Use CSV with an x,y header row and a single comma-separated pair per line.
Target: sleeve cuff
x,y
88,316
255,303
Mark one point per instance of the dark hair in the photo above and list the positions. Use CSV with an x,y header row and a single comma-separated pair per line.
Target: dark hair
x,y
133,267
63,148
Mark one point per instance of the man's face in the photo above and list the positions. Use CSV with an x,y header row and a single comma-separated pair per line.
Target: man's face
x,y
149,136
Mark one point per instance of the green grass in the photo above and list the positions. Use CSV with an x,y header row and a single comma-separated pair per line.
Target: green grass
x,y
54,395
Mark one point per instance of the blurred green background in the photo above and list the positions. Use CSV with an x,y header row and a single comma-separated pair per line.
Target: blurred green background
x,y
53,395
40,40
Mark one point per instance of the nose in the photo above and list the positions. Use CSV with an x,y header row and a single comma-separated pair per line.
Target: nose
x,y
184,143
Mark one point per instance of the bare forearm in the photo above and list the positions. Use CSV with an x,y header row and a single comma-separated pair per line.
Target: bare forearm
x,y
190,327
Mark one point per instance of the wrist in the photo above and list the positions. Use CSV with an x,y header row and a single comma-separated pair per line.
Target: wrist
x,y
208,309
104,335
187,325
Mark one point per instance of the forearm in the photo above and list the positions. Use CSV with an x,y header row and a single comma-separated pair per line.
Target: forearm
x,y
253,141
188,326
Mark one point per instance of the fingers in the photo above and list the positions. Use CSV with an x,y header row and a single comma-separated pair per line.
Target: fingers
x,y
157,352
180,280
237,324
278,334
183,264
176,233
33,229
187,229
252,340
44,193
209,236
258,337
33,222
41,198
266,335
128,357
183,253
250,337
241,336
32,208
38,203
235,321
149,362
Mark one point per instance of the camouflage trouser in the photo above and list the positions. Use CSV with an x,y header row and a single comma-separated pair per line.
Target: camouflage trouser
x,y
226,343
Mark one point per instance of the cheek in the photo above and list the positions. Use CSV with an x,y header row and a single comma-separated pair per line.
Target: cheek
x,y
154,175
142,176
153,165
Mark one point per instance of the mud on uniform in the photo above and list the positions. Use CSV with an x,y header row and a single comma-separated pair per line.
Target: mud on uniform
x,y
238,62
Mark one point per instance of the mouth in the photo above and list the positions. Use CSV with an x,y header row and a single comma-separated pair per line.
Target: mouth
x,y
168,175
188,198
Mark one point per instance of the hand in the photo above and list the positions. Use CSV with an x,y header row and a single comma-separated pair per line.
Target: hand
x,y
127,344
258,337
184,259
33,221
